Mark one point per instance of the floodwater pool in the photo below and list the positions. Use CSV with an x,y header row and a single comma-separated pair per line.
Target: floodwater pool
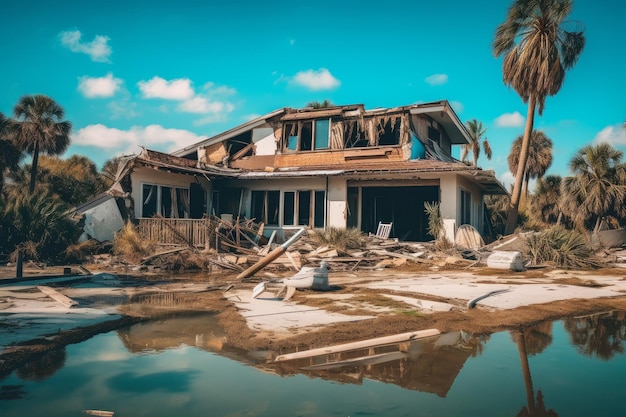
x,y
184,366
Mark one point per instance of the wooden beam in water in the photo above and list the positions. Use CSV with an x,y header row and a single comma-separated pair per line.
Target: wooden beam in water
x,y
379,341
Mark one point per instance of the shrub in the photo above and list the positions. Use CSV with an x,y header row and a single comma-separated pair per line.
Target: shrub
x,y
568,249
128,244
340,238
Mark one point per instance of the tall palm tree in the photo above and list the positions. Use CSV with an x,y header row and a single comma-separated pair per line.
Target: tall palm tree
x,y
598,187
38,127
539,157
9,155
537,51
476,131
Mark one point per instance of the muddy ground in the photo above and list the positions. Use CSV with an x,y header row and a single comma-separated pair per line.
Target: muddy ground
x,y
391,319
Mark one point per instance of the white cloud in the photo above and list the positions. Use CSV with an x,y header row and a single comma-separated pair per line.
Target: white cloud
x,y
436,79
457,106
99,86
127,141
203,105
614,135
507,179
98,49
514,119
157,87
314,80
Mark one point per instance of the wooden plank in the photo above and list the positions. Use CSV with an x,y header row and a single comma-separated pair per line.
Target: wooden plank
x,y
379,341
57,296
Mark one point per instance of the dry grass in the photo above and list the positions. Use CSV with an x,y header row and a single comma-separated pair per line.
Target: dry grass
x,y
341,239
130,245
81,252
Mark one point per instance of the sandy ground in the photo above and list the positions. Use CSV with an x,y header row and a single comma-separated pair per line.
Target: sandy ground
x,y
358,306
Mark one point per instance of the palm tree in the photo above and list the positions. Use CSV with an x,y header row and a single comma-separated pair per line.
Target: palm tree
x,y
9,155
546,199
320,105
476,131
537,51
38,128
598,187
539,157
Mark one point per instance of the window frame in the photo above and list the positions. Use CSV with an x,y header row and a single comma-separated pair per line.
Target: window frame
x,y
294,143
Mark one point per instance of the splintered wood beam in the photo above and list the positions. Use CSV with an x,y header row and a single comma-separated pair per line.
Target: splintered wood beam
x,y
57,296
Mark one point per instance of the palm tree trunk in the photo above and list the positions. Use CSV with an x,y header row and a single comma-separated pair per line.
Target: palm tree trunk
x,y
511,220
33,169
528,382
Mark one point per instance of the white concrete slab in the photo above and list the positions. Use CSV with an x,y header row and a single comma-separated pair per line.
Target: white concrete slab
x,y
273,314
516,296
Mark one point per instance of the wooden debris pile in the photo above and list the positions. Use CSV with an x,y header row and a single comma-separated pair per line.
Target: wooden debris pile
x,y
237,244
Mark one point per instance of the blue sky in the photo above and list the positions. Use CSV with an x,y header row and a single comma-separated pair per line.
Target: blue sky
x,y
164,74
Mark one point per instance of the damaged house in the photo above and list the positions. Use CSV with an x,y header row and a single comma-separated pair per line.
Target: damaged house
x,y
343,167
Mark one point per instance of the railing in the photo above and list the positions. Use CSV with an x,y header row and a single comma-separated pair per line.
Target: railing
x,y
192,232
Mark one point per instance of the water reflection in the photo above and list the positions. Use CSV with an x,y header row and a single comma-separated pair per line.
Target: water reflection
x,y
429,365
155,367
599,335
43,366
532,341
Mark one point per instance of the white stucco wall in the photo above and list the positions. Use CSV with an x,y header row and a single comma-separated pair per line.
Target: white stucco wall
x,y
264,141
451,186
336,213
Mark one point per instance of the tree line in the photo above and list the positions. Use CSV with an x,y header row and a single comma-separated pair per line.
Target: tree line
x,y
537,50
35,196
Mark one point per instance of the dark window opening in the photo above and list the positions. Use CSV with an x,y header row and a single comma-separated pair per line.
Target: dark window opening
x,y
434,134
402,206
239,142
273,205
390,131
353,135
149,200
318,213
265,206
306,136
304,208
466,207
166,202
289,207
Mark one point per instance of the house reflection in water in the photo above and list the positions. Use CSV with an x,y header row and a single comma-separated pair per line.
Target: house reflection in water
x,y
429,365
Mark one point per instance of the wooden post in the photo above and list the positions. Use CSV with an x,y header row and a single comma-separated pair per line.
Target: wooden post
x,y
19,266
273,255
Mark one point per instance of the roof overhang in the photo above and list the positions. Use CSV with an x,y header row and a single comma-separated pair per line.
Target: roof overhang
x,y
236,131
288,174
442,113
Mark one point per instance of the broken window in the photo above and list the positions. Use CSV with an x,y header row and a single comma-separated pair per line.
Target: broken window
x,y
389,130
149,200
354,135
165,207
265,206
171,202
307,135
